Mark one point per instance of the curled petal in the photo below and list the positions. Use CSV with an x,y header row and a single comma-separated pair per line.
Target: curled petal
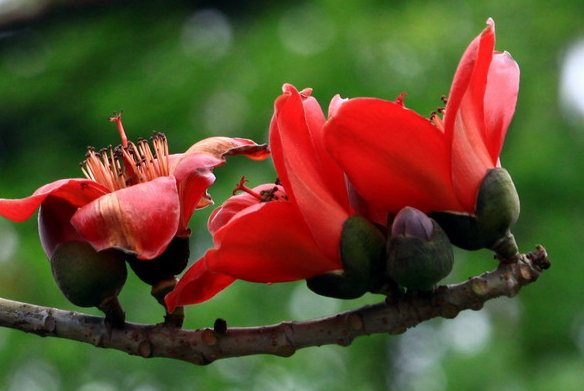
x,y
335,104
141,219
218,147
297,162
194,174
392,156
197,285
76,192
268,242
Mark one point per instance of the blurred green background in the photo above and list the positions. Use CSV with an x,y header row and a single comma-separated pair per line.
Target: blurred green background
x,y
198,69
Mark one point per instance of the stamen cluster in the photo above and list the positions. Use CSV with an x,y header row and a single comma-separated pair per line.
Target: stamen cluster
x,y
126,165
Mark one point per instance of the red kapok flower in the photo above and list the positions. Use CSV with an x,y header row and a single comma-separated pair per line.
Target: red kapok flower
x,y
277,233
395,158
132,198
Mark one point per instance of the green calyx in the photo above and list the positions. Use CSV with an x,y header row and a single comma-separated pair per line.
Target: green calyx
x,y
418,264
362,255
86,277
497,209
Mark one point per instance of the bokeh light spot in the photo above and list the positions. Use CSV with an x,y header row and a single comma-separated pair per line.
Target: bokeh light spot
x,y
306,30
207,36
572,81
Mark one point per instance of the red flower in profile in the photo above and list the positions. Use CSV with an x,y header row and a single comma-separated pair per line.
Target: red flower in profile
x,y
395,158
132,199
277,233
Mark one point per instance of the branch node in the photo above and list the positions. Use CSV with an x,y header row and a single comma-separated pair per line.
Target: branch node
x,y
285,350
145,349
209,337
449,311
355,321
479,286
539,258
398,330
220,326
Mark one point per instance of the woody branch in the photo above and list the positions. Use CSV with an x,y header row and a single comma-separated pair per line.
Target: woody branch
x,y
203,346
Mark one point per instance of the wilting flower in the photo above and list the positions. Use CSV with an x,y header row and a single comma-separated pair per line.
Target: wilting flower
x,y
395,158
132,199
277,233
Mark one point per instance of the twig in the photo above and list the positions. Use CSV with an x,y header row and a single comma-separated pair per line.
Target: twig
x,y
203,346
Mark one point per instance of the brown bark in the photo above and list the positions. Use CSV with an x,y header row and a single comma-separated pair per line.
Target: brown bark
x,y
203,346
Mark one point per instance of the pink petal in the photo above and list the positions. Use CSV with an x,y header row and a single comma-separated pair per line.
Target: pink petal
x,y
219,147
392,156
76,192
141,219
197,285
500,100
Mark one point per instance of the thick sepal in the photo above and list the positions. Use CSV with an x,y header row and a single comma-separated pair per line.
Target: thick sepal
x,y
362,254
164,267
90,279
417,263
497,209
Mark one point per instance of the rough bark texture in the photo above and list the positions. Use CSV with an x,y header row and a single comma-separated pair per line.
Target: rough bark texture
x,y
203,346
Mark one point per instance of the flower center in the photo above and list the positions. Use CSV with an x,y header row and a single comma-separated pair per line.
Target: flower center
x,y
264,195
127,164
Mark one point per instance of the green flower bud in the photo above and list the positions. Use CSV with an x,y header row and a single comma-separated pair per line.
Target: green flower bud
x,y
419,253
362,254
90,279
497,209
164,267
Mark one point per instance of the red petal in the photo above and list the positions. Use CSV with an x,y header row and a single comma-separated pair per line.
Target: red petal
x,y
55,224
475,146
230,208
392,156
197,285
297,163
470,80
194,174
500,100
141,219
76,192
268,242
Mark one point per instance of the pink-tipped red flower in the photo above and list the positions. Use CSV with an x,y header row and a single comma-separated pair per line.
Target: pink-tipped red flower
x,y
132,199
395,158
277,233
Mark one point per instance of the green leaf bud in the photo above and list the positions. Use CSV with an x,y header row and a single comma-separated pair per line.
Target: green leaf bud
x,y
362,254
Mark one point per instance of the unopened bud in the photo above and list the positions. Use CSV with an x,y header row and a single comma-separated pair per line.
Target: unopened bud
x,y
362,255
164,267
411,222
419,253
497,209
89,278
